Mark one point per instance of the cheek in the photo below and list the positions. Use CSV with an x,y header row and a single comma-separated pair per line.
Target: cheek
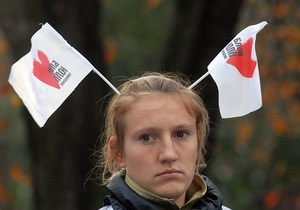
x,y
139,166
191,162
192,155
134,156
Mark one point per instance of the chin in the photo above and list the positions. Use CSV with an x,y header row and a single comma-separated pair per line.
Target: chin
x,y
173,191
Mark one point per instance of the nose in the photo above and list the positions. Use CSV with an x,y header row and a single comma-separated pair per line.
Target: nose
x,y
168,151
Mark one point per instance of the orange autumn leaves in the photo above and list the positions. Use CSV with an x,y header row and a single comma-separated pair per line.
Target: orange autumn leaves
x,y
274,123
267,141
279,54
110,51
279,63
18,176
276,199
271,199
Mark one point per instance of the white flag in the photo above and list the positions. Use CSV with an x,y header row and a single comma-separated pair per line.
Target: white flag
x,y
48,74
235,71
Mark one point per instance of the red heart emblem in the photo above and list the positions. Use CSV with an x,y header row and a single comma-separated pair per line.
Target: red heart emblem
x,y
244,63
42,70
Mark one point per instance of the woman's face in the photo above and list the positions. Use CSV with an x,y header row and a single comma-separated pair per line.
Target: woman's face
x,y
160,148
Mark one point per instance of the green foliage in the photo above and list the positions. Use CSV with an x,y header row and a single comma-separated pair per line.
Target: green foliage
x,y
15,179
135,34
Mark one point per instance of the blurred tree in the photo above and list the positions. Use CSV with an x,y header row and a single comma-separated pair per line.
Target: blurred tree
x,y
59,151
259,154
15,173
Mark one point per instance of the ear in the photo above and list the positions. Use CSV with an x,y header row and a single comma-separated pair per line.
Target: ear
x,y
116,152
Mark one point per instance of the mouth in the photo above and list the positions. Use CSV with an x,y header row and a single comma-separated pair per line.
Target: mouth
x,y
169,173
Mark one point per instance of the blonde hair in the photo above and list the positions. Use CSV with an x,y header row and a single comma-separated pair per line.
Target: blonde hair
x,y
139,88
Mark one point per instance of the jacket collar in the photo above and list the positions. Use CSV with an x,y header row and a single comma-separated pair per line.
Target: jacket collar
x,y
197,189
202,194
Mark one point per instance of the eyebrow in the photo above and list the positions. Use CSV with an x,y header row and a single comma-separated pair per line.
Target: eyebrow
x,y
185,125
144,130
153,129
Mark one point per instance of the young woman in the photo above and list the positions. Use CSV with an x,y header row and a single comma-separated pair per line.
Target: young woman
x,y
156,130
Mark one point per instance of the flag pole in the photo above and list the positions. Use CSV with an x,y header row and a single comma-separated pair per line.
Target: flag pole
x,y
107,82
199,80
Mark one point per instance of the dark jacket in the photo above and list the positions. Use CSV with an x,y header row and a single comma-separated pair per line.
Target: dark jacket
x,y
124,198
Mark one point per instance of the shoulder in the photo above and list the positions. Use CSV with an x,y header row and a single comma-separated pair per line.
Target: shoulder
x,y
225,208
109,208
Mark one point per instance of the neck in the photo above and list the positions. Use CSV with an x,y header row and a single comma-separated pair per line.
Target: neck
x,y
155,199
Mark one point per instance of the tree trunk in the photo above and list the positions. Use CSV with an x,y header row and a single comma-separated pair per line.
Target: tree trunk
x,y
61,149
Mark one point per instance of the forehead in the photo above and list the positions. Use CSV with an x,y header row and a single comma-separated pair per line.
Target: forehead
x,y
157,101
158,108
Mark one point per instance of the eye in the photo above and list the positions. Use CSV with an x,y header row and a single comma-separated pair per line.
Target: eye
x,y
147,138
181,134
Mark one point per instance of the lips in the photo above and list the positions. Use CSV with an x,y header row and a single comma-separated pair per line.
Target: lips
x,y
169,172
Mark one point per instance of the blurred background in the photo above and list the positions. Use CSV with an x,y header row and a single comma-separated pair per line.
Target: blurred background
x,y
254,160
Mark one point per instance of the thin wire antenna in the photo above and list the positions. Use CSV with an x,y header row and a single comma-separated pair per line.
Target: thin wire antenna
x,y
107,82
199,80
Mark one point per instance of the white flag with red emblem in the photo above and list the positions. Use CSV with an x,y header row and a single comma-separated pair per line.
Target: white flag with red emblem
x,y
48,74
235,71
